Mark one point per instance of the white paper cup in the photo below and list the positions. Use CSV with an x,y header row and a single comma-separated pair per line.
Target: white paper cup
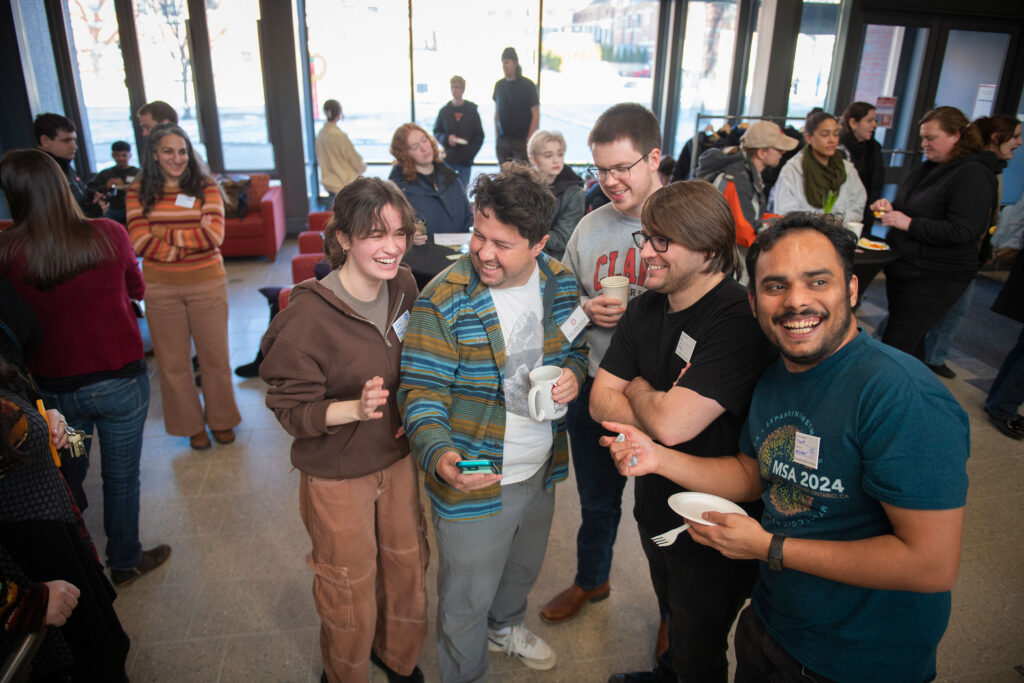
x,y
616,286
541,405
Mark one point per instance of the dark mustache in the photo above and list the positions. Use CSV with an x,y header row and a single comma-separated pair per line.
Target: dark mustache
x,y
793,315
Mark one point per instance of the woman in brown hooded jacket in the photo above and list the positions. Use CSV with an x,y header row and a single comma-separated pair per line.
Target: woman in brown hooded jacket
x,y
332,360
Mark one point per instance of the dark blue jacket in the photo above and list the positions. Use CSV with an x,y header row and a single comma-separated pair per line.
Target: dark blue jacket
x,y
444,208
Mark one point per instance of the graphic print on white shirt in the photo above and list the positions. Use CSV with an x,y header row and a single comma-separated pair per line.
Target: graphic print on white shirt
x,y
527,443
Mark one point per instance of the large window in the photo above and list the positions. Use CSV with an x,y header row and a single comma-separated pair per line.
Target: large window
x,y
167,62
235,52
594,55
101,73
359,55
707,64
812,65
441,42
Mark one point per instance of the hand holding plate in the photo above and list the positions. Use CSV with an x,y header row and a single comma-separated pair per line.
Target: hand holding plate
x,y
736,536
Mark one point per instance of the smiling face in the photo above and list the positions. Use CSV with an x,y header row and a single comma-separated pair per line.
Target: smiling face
x,y
627,192
376,257
824,140
865,128
122,158
63,145
500,255
673,270
420,149
937,144
172,156
1005,150
550,160
801,299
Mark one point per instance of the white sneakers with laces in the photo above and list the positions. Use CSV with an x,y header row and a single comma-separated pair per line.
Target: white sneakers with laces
x,y
519,642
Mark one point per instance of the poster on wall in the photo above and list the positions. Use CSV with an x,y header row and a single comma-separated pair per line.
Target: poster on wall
x,y
885,108
983,100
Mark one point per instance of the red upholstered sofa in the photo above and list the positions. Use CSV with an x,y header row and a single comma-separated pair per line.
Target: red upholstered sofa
x,y
262,230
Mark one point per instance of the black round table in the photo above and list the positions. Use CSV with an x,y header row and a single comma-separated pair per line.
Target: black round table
x,y
427,260
867,263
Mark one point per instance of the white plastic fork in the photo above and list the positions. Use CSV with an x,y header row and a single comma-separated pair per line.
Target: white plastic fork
x,y
669,537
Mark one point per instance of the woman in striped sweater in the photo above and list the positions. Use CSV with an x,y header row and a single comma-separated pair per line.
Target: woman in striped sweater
x,y
176,223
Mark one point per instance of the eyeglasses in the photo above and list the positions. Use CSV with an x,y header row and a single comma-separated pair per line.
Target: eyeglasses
x,y
617,172
658,243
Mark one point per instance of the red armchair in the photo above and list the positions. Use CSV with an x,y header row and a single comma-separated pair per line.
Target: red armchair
x,y
262,230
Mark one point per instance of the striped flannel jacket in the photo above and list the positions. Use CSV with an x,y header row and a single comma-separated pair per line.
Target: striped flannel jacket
x,y
452,389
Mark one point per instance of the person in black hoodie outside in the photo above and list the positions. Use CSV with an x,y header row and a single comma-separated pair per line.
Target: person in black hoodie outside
x,y
432,188
56,136
937,220
547,156
857,139
459,131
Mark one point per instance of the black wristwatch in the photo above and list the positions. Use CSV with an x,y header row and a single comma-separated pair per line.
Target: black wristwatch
x,y
775,552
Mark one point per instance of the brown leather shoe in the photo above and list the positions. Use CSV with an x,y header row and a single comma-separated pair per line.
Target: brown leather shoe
x,y
661,644
223,435
568,603
200,441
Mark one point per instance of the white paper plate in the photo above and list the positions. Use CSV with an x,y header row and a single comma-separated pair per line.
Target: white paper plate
x,y
690,505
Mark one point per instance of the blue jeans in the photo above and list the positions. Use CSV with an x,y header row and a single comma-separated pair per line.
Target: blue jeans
x,y
117,408
463,172
1007,392
600,487
940,338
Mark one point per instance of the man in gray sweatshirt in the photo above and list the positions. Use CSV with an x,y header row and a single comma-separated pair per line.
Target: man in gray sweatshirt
x,y
625,143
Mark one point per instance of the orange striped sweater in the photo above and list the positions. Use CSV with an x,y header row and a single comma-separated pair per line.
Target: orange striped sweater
x,y
177,248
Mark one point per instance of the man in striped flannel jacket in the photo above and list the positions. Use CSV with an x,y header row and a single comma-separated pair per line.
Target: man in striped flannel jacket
x,y
474,335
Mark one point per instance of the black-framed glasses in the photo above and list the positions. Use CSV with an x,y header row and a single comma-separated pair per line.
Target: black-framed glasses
x,y
617,172
658,243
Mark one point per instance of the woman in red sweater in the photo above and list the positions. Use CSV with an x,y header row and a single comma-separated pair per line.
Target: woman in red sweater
x,y
78,276
176,223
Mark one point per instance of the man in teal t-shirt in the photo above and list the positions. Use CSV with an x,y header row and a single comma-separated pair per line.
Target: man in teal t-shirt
x,y
859,455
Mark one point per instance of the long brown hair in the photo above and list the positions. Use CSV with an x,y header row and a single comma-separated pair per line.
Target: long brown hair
x,y
996,129
952,121
400,149
49,232
150,182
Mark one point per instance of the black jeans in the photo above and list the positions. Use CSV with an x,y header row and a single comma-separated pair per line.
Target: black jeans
x,y
702,591
511,148
760,658
915,305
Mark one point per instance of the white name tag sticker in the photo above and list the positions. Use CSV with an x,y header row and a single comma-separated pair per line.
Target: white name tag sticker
x,y
401,325
685,347
805,450
572,327
184,201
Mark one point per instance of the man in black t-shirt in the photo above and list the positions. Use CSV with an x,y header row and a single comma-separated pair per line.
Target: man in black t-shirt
x,y
516,109
111,184
682,367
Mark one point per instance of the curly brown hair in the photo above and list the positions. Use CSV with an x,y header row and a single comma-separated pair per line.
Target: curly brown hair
x,y
400,149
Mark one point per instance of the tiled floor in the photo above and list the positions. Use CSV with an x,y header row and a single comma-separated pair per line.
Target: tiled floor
x,y
234,601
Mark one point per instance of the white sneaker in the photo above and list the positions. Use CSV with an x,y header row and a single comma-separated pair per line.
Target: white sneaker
x,y
520,642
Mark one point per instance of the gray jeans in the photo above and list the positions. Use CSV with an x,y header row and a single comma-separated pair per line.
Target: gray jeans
x,y
486,568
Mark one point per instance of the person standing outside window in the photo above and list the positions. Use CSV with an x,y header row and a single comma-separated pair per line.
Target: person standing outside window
x,y
339,161
459,131
516,109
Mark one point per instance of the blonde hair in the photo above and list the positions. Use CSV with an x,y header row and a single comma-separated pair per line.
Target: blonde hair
x,y
457,80
541,138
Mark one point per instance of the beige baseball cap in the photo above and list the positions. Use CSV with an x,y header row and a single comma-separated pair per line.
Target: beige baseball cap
x,y
766,134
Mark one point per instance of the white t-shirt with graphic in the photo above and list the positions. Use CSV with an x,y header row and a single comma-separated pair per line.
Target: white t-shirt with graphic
x,y
527,443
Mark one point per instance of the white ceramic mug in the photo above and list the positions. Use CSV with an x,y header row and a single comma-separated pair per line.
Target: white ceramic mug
x,y
616,286
541,405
